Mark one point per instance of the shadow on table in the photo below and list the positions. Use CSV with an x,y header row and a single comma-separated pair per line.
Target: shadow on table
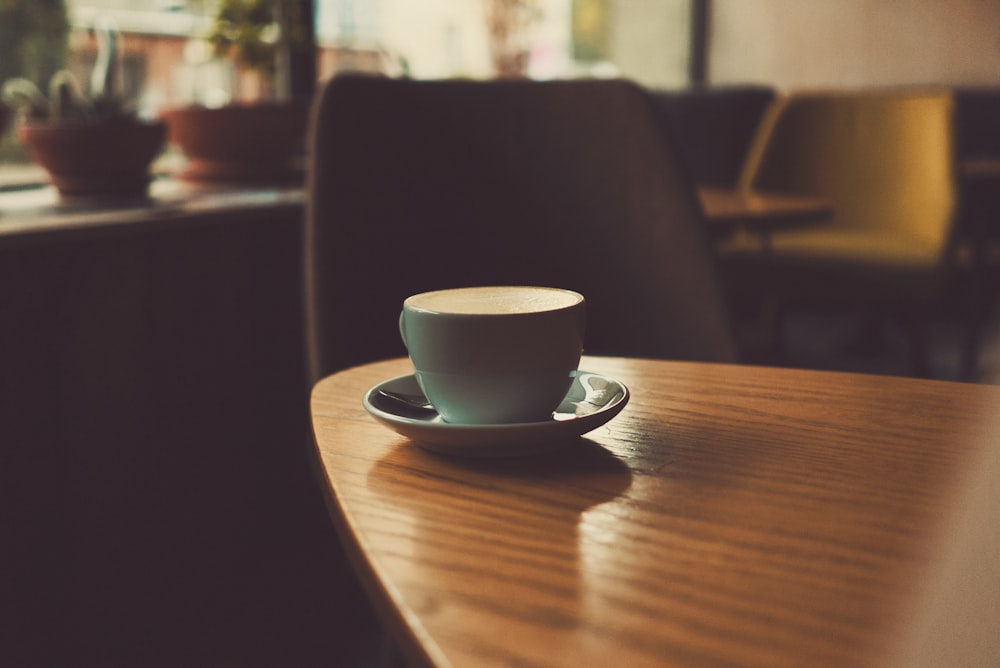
x,y
501,523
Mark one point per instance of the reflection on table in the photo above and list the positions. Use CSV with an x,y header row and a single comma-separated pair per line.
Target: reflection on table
x,y
730,515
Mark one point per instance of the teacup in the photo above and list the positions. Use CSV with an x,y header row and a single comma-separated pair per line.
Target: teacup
x,y
494,355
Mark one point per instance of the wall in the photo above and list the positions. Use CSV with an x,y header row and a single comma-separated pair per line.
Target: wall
x,y
158,505
650,41
439,39
810,43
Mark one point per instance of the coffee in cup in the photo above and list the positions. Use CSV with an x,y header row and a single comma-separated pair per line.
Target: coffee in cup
x,y
494,355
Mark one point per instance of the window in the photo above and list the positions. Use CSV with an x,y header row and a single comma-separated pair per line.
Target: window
x,y
166,62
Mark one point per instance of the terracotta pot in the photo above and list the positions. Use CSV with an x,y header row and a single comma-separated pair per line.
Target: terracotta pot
x,y
95,158
260,142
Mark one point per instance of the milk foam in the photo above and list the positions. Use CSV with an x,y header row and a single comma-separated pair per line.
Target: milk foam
x,y
495,300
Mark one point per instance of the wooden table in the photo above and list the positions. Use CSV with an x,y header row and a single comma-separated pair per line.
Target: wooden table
x,y
731,515
760,212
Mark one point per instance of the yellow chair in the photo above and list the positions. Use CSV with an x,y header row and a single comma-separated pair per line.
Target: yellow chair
x,y
884,158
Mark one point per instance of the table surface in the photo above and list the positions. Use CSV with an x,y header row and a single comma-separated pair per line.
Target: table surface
x,y
729,515
727,209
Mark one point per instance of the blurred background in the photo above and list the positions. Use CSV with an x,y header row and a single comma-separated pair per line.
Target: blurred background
x,y
168,59
153,418
659,43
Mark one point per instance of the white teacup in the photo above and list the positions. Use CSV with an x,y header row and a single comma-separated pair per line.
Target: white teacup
x,y
494,355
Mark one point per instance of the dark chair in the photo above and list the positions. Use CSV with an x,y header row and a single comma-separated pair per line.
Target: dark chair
x,y
714,127
418,185
977,122
977,240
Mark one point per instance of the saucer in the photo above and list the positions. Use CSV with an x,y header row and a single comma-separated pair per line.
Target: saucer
x,y
592,400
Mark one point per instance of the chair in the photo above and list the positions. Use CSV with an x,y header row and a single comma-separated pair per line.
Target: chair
x,y
977,243
420,185
885,160
714,127
977,128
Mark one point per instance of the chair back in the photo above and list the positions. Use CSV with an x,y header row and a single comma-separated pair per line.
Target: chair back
x,y
423,185
977,135
883,157
977,122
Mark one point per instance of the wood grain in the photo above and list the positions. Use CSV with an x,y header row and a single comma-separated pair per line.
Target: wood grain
x,y
730,515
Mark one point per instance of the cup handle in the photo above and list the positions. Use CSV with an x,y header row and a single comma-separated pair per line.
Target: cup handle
x,y
402,330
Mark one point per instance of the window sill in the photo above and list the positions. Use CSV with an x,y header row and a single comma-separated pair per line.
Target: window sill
x,y
38,212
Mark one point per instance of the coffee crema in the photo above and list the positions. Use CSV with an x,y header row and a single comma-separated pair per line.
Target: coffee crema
x,y
495,300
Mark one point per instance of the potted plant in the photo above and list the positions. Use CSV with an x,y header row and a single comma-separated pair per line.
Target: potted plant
x,y
34,41
508,24
261,137
91,145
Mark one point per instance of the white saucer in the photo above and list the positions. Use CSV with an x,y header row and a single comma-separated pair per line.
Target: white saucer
x,y
592,400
